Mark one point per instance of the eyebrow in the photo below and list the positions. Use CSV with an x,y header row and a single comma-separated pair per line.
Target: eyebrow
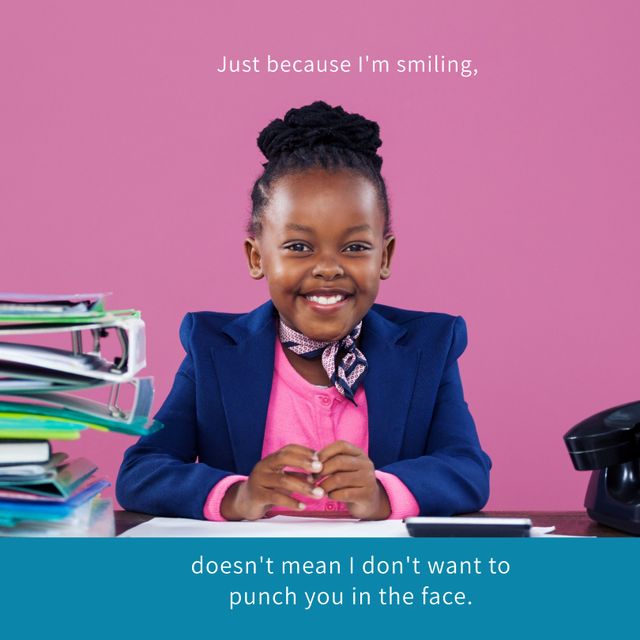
x,y
301,227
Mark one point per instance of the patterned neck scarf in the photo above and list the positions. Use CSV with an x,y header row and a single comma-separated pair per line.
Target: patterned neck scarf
x,y
349,372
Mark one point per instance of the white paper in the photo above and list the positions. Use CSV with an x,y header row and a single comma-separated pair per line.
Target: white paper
x,y
278,527
539,532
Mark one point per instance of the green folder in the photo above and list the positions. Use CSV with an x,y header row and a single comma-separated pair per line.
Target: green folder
x,y
29,427
90,317
26,433
16,415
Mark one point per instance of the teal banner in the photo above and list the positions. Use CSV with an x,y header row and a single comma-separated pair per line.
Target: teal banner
x,y
167,588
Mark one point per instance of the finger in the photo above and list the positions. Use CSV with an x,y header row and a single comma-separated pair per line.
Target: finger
x,y
294,452
305,477
261,499
344,462
345,480
297,448
311,478
351,495
338,447
287,483
295,457
277,499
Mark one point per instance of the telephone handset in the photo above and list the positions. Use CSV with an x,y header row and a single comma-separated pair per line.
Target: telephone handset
x,y
609,443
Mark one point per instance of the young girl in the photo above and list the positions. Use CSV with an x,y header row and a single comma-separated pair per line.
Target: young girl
x,y
318,402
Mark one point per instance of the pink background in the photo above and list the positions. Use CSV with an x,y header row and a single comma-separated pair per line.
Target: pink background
x,y
126,164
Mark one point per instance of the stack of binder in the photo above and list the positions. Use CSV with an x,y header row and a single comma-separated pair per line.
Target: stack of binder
x,y
66,365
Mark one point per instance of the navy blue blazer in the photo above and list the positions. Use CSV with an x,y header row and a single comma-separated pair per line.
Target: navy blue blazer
x,y
420,428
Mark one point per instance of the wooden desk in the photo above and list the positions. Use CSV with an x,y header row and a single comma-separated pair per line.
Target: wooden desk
x,y
573,523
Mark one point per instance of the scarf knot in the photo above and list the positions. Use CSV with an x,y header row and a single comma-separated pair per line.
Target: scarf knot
x,y
347,374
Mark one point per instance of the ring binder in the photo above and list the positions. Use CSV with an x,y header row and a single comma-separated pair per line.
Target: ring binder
x,y
55,497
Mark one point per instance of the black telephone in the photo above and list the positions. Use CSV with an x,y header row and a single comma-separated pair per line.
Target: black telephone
x,y
609,443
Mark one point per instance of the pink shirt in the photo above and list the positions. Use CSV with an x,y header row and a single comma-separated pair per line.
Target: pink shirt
x,y
302,413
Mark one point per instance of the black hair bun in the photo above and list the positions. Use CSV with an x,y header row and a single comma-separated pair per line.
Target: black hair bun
x,y
320,124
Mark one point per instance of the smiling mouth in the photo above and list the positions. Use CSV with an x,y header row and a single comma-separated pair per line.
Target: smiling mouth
x,y
326,300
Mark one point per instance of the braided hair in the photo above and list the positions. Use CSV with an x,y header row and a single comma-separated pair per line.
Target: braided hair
x,y
317,136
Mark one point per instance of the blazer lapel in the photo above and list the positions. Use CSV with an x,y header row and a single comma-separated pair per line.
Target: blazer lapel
x,y
245,373
388,384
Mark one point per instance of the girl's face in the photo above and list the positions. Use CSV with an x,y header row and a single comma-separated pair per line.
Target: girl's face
x,y
322,251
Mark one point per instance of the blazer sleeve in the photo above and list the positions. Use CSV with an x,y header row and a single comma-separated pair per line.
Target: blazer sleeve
x,y
453,474
159,474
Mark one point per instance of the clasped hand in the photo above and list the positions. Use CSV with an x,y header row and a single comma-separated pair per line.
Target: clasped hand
x,y
340,471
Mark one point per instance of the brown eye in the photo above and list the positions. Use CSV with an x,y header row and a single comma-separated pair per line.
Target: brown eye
x,y
356,247
298,247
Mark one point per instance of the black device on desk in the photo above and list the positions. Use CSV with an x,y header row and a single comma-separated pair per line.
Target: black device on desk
x,y
461,527
609,443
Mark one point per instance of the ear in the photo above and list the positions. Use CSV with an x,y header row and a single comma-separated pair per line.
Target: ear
x,y
252,250
387,254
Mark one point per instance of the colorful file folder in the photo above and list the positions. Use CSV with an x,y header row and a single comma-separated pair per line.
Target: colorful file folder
x,y
66,365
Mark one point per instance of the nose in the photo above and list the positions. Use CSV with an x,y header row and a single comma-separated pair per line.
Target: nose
x,y
327,267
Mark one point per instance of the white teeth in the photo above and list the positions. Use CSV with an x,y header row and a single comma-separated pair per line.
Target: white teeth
x,y
325,300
